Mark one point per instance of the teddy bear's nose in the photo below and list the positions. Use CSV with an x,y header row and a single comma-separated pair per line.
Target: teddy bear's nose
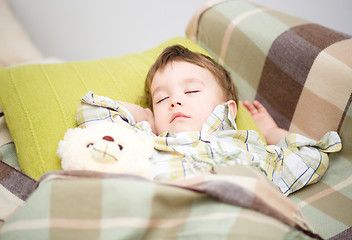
x,y
108,138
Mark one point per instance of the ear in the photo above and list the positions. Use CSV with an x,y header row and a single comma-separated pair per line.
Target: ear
x,y
62,144
61,149
233,108
70,132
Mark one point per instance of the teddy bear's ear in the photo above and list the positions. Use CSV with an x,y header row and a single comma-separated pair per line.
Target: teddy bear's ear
x,y
70,132
63,143
61,149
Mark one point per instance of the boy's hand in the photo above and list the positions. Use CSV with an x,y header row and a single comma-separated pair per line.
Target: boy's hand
x,y
272,133
260,115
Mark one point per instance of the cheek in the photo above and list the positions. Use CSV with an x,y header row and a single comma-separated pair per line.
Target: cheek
x,y
204,113
159,115
160,121
206,108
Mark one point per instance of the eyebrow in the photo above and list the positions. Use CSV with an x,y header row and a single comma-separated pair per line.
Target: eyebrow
x,y
156,90
184,81
190,80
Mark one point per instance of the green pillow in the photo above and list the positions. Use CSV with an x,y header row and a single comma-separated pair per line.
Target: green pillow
x,y
40,101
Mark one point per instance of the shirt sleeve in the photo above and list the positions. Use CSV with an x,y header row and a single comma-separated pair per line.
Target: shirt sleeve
x,y
304,161
94,108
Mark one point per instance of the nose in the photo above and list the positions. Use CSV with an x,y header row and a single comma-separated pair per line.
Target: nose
x,y
109,138
175,104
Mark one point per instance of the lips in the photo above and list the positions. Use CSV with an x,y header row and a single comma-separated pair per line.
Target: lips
x,y
178,115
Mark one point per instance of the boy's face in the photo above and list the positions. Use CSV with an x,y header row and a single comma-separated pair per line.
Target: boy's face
x,y
184,95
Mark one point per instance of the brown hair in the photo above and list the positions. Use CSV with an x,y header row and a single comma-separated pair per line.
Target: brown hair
x,y
180,53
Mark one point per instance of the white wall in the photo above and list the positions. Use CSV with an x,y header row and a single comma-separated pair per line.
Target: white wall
x,y
87,29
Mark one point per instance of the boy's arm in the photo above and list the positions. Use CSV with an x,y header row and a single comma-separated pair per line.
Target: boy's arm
x,y
272,133
140,114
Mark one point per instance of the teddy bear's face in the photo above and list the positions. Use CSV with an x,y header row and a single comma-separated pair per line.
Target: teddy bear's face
x,y
106,147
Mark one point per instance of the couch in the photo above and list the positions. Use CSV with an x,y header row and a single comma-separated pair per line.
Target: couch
x,y
301,72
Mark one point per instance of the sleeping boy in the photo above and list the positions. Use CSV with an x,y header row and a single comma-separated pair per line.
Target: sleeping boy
x,y
192,105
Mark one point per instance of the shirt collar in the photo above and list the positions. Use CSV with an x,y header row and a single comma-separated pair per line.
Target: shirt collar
x,y
222,118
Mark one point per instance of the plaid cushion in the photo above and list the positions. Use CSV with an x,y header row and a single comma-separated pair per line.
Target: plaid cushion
x,y
302,73
15,188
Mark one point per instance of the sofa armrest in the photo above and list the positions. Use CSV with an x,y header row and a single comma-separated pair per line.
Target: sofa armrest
x,y
301,71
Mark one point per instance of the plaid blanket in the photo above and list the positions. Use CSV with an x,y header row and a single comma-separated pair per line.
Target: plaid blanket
x,y
15,188
302,73
93,205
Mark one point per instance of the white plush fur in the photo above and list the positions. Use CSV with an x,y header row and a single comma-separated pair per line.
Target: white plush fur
x,y
86,149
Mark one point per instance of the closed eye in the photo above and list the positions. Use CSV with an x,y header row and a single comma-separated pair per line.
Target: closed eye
x,y
193,91
162,100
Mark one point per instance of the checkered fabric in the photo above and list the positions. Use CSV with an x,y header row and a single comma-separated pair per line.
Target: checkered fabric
x,y
293,163
96,205
302,73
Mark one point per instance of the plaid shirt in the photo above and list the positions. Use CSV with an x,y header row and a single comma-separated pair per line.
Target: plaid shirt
x,y
294,162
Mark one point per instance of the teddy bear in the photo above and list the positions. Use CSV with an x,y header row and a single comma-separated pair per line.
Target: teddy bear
x,y
107,147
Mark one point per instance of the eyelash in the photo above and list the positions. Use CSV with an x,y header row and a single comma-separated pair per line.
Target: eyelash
x,y
161,100
187,92
194,91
